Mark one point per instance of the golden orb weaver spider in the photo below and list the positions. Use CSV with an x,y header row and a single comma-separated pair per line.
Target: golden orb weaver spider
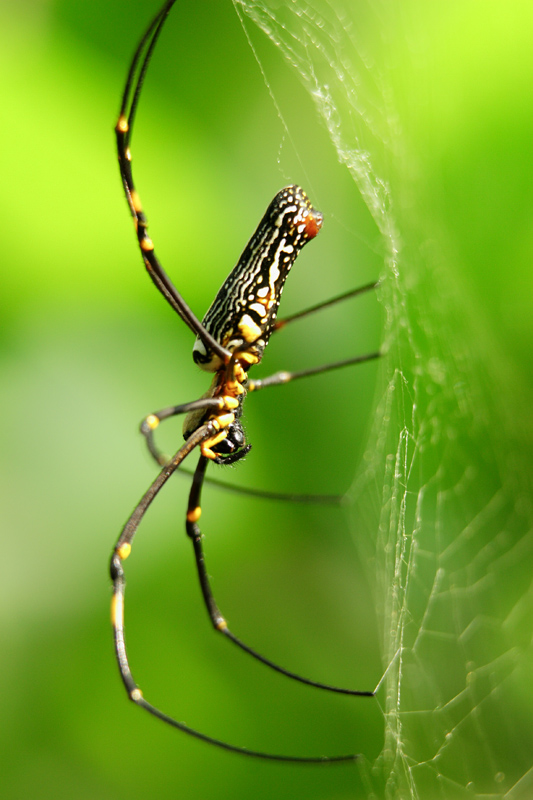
x,y
230,340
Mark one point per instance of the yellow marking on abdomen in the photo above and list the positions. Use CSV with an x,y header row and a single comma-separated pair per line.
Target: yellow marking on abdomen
x,y
249,329
259,308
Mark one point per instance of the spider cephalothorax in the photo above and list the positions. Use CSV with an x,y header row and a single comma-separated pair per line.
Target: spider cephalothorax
x,y
243,314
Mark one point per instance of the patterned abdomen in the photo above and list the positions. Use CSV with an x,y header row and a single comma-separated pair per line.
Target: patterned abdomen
x,y
243,313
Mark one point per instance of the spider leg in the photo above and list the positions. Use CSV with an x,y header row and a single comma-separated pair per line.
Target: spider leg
x,y
148,426
285,377
152,421
123,547
140,701
120,553
281,323
194,512
123,131
263,494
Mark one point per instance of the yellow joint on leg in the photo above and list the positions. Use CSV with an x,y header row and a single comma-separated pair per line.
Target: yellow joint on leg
x,y
136,201
205,447
207,452
122,124
230,402
234,386
222,625
124,550
136,694
194,514
117,610
152,421
221,424
249,358
147,244
224,420
240,374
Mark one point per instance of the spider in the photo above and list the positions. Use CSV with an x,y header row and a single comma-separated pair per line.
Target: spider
x,y
229,341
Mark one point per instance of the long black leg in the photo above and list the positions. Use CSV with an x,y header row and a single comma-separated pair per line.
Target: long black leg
x,y
207,435
152,421
194,512
122,550
282,377
123,131
120,553
281,323
284,497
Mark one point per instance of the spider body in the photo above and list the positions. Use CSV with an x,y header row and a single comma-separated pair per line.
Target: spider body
x,y
242,315
230,340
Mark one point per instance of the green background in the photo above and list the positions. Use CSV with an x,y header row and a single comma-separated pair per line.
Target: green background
x,y
88,347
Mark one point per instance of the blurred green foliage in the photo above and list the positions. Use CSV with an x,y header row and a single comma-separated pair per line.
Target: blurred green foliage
x,y
88,348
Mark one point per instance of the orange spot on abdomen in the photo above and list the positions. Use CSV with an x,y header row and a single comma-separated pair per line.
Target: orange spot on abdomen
x,y
313,224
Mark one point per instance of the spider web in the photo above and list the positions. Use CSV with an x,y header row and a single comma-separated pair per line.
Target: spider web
x,y
443,496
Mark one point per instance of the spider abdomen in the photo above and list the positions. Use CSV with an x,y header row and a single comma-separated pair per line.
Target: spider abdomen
x,y
243,313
